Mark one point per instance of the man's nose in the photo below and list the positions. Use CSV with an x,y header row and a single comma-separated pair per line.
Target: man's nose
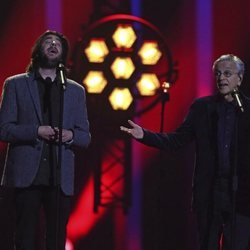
x,y
221,76
53,43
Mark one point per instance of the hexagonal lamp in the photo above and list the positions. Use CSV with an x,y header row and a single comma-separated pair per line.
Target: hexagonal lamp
x,y
148,84
124,36
95,82
96,51
120,98
149,53
122,67
123,51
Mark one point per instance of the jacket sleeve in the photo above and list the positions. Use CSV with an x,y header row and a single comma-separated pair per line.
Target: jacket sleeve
x,y
80,129
183,135
11,130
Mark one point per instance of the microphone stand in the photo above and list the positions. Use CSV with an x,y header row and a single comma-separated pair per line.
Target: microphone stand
x,y
158,239
59,158
164,99
239,110
234,182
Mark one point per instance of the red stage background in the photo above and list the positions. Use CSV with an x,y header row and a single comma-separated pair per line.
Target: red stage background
x,y
159,216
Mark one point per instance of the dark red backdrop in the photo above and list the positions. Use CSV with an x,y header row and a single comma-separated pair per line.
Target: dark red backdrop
x,y
165,179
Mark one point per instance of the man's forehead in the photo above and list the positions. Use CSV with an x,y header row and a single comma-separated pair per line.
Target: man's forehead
x,y
51,36
226,64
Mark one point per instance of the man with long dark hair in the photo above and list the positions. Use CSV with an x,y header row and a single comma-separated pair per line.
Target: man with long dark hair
x,y
39,119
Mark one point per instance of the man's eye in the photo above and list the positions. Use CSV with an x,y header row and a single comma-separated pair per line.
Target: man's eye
x,y
227,73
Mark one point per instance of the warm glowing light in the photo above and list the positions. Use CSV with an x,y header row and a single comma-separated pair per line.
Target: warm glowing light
x,y
165,86
148,84
120,98
95,82
96,51
150,53
122,68
124,36
79,226
69,245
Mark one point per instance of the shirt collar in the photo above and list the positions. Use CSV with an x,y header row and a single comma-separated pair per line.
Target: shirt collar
x,y
40,78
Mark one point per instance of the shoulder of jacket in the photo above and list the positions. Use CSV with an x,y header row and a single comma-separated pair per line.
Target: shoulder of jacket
x,y
22,76
74,84
205,99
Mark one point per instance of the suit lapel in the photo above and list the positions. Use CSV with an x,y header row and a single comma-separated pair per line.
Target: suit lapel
x,y
212,119
66,105
32,86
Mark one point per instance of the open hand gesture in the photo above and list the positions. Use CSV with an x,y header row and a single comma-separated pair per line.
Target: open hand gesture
x,y
136,131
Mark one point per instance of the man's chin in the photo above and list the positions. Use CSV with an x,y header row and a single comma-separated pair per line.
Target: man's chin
x,y
50,64
224,92
227,96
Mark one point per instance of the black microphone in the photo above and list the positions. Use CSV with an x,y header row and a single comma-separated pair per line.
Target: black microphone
x,y
236,96
61,69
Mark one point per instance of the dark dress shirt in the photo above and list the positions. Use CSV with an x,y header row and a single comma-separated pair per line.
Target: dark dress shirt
x,y
49,92
226,125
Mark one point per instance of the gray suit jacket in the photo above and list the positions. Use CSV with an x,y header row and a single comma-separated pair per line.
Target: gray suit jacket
x,y
20,117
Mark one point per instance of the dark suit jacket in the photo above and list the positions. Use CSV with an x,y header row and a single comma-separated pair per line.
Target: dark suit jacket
x,y
20,117
200,125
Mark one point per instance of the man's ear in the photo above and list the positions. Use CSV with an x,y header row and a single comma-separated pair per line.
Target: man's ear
x,y
240,77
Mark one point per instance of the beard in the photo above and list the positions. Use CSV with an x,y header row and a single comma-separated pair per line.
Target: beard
x,y
48,63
